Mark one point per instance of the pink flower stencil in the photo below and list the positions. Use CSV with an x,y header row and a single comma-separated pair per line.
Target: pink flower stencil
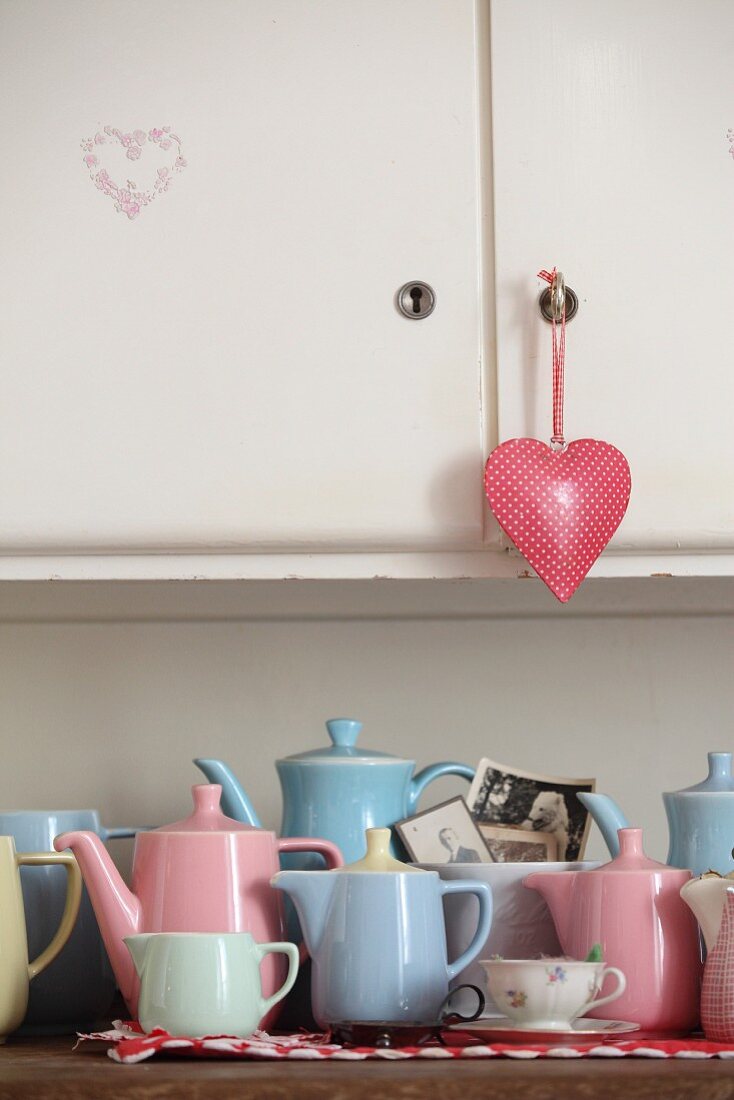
x,y
129,200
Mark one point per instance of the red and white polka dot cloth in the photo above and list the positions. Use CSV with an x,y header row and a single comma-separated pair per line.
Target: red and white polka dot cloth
x,y
131,1046
559,507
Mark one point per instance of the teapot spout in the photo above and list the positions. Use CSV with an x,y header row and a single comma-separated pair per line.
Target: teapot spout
x,y
235,802
555,887
608,817
137,946
311,893
116,908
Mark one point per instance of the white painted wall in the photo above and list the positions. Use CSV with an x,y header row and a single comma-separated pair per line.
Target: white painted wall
x,y
110,712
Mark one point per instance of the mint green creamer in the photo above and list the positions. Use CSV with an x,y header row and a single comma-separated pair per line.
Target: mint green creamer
x,y
195,984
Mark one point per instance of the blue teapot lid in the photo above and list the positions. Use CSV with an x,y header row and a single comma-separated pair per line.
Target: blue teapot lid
x,y
719,778
343,748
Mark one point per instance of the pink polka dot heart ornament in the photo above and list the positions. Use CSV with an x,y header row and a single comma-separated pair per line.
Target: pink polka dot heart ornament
x,y
560,507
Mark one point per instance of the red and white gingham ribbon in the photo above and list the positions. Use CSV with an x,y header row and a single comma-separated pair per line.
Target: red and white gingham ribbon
x,y
559,363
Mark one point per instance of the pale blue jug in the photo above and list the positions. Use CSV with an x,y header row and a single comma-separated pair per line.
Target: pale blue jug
x,y
700,820
377,936
336,792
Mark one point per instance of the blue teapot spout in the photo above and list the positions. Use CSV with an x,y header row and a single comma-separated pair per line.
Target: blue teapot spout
x,y
311,893
235,802
608,816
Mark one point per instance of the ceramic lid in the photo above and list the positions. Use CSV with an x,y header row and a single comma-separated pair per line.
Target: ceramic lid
x,y
207,816
343,748
632,857
379,857
719,777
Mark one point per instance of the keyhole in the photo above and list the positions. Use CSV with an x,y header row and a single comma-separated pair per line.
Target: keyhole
x,y
415,300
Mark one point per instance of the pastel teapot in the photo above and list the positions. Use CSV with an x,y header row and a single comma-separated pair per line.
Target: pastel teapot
x,y
337,791
700,819
206,873
632,907
711,899
376,933
706,897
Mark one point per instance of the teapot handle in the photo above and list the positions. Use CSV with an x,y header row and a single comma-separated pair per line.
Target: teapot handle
x,y
71,905
420,781
325,848
329,851
484,896
123,832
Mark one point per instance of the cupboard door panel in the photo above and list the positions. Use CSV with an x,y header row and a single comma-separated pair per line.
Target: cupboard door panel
x,y
611,160
219,363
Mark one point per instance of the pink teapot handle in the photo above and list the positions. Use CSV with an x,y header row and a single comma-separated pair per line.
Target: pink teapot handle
x,y
325,848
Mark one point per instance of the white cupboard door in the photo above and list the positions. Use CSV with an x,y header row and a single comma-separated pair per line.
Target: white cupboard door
x,y
207,209
612,160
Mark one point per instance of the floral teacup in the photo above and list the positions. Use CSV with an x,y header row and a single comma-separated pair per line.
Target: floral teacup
x,y
548,993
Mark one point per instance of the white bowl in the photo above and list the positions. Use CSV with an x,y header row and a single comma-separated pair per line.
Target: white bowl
x,y
522,926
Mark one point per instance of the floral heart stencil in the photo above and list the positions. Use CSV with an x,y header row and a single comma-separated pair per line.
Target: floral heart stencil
x,y
154,156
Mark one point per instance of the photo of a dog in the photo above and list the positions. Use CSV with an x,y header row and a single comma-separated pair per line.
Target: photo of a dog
x,y
549,814
501,795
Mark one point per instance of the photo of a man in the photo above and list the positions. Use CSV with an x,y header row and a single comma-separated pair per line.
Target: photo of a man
x,y
457,852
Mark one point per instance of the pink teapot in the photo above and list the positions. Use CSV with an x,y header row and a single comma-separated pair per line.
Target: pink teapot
x,y
206,873
632,907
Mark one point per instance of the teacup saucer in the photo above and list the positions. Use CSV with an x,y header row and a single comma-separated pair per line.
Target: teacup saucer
x,y
503,1031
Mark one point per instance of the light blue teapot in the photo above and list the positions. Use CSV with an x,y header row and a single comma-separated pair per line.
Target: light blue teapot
x,y
376,934
700,820
336,792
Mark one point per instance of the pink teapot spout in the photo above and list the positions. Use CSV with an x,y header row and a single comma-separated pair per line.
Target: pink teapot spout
x,y
555,888
116,908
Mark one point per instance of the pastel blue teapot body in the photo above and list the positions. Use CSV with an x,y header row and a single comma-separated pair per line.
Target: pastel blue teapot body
x,y
700,820
378,939
336,792
75,992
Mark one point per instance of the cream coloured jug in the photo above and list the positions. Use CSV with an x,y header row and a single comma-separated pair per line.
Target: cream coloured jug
x,y
15,969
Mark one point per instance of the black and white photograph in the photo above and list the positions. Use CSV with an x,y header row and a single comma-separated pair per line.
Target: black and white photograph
x,y
501,795
508,845
446,833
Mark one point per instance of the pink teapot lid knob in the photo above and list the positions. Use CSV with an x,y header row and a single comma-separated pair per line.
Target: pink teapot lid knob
x,y
632,855
630,842
207,797
207,816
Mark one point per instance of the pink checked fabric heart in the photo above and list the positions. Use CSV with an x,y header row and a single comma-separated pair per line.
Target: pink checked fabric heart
x,y
560,508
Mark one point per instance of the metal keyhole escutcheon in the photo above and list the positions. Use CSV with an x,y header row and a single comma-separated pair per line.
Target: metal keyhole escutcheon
x,y
415,300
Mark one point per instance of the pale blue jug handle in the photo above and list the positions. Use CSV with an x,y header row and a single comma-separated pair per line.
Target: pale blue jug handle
x,y
420,781
123,832
484,897
235,802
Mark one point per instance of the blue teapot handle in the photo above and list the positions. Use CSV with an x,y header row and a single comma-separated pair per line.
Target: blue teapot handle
x,y
420,781
484,897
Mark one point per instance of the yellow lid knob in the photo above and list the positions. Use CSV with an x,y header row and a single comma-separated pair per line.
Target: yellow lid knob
x,y
378,856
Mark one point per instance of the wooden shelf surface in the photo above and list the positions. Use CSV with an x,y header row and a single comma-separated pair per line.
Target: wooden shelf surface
x,y
50,1069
